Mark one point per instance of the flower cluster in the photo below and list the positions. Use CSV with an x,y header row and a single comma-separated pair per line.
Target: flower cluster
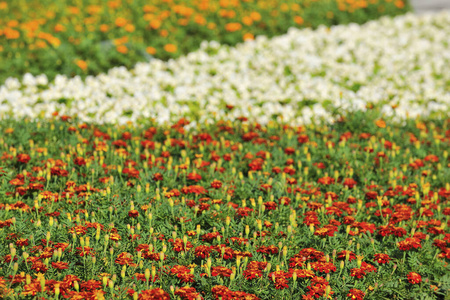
x,y
224,211
88,37
297,78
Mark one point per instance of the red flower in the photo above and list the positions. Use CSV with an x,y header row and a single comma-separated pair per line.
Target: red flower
x,y
414,278
289,150
284,201
124,258
343,255
302,138
252,273
187,293
133,213
268,249
244,211
60,265
279,278
409,243
22,242
216,184
302,273
202,251
158,177
325,267
178,245
221,271
270,205
154,294
327,230
23,158
194,176
183,273
382,258
79,161
358,273
208,237
39,267
356,294
326,180
350,182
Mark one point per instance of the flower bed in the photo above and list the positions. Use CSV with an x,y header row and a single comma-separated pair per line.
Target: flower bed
x,y
89,37
397,64
225,211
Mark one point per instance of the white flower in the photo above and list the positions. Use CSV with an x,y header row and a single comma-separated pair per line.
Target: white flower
x,y
300,77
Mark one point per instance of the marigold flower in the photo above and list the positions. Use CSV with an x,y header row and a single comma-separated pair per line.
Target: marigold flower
x,y
187,293
154,294
232,27
171,48
414,278
356,294
23,158
150,50
122,49
346,255
221,271
326,180
357,272
380,123
120,22
133,213
81,64
216,184
202,251
158,177
381,258
409,243
194,176
248,37
60,265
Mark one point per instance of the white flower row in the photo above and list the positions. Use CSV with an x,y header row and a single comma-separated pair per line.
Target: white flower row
x,y
296,78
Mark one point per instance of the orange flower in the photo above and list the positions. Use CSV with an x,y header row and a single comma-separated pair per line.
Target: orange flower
x,y
200,20
164,33
247,20
82,64
11,34
183,22
380,123
248,36
12,23
171,48
120,22
232,27
151,50
122,49
59,28
130,28
399,4
155,24
104,28
256,16
74,10
299,20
